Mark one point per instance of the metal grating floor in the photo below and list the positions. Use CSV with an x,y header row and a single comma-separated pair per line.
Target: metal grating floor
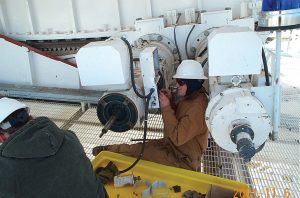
x,y
88,129
273,172
275,169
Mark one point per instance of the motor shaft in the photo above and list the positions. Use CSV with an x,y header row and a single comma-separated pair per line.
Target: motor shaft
x,y
108,124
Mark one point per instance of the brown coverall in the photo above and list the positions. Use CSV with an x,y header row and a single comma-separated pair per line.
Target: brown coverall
x,y
185,135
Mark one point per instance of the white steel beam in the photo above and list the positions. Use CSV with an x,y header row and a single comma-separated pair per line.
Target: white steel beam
x,y
200,5
73,15
149,8
2,17
30,19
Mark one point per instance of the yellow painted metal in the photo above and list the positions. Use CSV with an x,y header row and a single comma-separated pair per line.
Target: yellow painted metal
x,y
188,180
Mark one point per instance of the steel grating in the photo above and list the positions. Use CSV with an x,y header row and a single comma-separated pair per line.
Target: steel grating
x,y
273,172
276,170
88,129
59,113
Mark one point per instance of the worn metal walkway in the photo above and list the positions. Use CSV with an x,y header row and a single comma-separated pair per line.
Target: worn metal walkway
x,y
273,172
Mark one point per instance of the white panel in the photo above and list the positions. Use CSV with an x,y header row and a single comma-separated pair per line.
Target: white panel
x,y
103,64
149,66
149,26
130,10
265,96
217,18
51,18
234,51
160,7
51,15
246,22
14,64
98,15
17,16
214,5
51,73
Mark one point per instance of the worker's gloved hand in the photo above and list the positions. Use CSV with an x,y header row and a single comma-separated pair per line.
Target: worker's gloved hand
x,y
192,194
107,173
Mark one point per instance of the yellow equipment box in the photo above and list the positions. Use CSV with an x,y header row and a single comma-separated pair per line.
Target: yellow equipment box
x,y
165,179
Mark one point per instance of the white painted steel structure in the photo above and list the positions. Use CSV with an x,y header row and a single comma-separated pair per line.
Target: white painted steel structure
x,y
178,29
35,19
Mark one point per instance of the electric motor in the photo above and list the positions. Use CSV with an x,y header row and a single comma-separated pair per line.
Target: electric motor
x,y
238,121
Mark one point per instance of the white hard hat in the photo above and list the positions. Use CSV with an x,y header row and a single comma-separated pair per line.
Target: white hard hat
x,y
190,69
8,106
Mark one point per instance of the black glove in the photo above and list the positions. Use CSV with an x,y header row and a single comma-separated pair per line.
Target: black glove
x,y
107,173
192,194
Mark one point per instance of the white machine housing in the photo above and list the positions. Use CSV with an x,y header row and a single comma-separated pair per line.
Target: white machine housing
x,y
228,54
238,119
237,106
104,64
177,28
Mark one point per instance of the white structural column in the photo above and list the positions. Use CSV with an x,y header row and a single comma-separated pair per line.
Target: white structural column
x,y
73,15
31,63
200,5
29,16
149,8
277,88
2,17
118,4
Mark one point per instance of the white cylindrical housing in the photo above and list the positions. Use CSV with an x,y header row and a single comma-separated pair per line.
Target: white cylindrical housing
x,y
234,107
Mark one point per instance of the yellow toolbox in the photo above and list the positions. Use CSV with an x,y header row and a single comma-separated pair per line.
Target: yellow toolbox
x,y
159,181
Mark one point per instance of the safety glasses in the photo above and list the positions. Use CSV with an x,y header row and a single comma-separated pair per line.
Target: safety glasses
x,y
180,82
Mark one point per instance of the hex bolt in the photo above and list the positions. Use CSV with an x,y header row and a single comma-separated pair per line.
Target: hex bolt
x,y
159,38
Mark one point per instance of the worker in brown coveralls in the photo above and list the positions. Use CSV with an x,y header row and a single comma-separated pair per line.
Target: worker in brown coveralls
x,y
185,131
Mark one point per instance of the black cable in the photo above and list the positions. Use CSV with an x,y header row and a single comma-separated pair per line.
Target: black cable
x,y
204,62
265,67
144,138
203,51
187,38
175,40
186,42
132,71
148,97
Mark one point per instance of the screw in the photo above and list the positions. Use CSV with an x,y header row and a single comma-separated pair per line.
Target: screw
x,y
159,38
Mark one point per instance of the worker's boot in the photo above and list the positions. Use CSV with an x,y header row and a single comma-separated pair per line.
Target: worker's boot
x,y
98,149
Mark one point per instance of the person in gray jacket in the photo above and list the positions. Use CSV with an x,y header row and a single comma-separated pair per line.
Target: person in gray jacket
x,y
38,159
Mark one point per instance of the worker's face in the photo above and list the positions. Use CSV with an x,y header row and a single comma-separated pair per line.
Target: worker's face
x,y
181,87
